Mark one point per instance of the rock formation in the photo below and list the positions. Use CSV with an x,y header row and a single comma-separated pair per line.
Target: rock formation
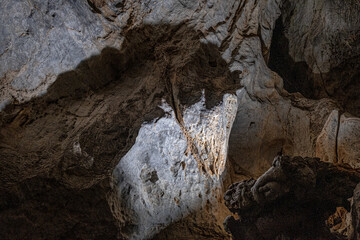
x,y
292,200
124,119
355,215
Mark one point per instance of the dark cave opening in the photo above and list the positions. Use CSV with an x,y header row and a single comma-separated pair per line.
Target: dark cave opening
x,y
341,83
296,75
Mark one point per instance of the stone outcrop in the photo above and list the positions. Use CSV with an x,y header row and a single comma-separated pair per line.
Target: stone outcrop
x,y
293,199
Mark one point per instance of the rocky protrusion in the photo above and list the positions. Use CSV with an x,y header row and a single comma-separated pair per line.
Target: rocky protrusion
x,y
293,199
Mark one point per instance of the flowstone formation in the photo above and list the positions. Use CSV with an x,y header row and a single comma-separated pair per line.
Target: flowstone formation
x,y
292,200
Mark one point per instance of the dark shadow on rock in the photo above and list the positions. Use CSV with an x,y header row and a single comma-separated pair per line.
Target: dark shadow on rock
x,y
58,151
292,200
342,83
296,75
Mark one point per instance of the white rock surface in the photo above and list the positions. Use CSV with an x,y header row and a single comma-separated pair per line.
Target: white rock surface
x,y
45,39
159,179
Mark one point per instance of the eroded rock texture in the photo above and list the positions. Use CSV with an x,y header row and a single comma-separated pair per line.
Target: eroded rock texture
x,y
124,119
339,140
292,200
316,50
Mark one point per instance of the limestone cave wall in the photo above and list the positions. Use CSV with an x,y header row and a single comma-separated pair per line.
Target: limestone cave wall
x,y
126,119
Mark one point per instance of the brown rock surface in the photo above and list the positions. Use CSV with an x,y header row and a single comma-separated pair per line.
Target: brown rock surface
x,y
118,117
293,199
316,50
339,141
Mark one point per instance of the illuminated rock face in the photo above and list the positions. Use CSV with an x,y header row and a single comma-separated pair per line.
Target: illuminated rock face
x,y
44,40
160,180
141,111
